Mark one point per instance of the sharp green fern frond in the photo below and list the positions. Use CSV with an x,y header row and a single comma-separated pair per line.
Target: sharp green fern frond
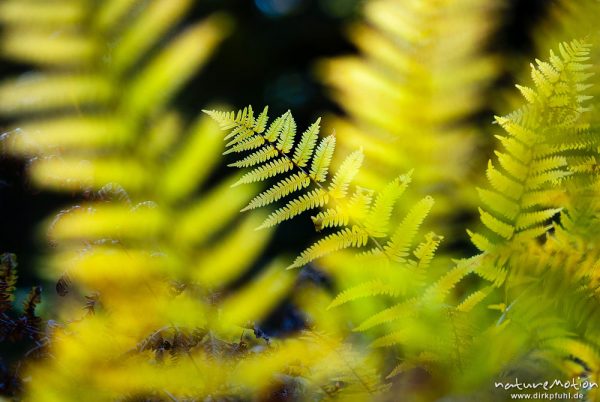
x,y
274,153
266,171
283,188
346,172
243,118
332,217
381,213
306,202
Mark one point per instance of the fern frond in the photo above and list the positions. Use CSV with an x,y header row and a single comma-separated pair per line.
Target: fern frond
x,y
474,299
266,171
492,272
332,217
285,141
377,223
344,175
535,160
361,220
228,120
426,250
97,119
440,289
394,338
397,312
260,156
409,94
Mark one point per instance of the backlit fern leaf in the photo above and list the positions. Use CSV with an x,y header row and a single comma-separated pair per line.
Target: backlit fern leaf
x,y
361,221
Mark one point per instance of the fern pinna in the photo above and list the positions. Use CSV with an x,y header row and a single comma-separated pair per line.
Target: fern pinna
x,y
270,150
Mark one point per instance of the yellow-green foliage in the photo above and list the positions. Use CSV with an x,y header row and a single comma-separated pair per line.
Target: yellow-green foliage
x,y
364,218
421,76
547,292
96,119
548,284
430,324
537,141
155,250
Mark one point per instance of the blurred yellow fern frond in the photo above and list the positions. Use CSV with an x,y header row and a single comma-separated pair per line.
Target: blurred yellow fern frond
x,y
410,95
